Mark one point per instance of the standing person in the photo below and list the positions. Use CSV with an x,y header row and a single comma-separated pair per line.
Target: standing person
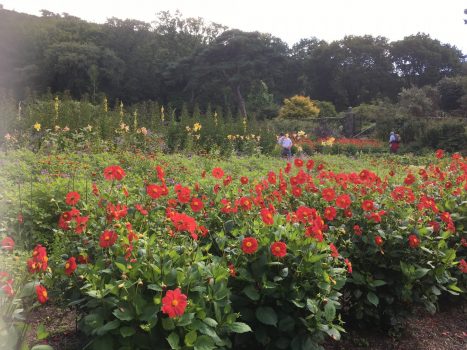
x,y
286,143
393,143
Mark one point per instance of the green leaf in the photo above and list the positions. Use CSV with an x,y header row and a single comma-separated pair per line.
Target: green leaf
x,y
420,272
377,283
190,338
239,327
168,324
42,347
287,324
449,257
266,315
455,288
109,326
204,343
251,292
127,331
123,314
372,298
155,287
329,311
334,333
121,267
186,319
210,322
41,332
174,341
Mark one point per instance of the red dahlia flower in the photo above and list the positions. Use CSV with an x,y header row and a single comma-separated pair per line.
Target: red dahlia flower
x,y
414,241
41,292
174,303
279,249
439,154
114,172
70,266
107,239
72,198
343,201
266,216
328,194
218,173
249,245
8,244
378,241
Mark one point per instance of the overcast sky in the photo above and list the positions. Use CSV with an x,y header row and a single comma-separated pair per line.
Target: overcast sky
x,y
289,20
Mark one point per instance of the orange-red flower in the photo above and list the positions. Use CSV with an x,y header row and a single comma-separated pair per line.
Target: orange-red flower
x,y
279,249
107,239
439,153
328,194
334,252
330,213
463,266
298,162
244,180
218,173
349,265
70,266
249,245
174,303
114,172
72,198
8,244
368,205
310,164
267,216
196,204
343,201
414,241
41,292
378,241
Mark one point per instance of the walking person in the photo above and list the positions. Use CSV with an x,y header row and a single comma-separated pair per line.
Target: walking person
x,y
286,143
394,140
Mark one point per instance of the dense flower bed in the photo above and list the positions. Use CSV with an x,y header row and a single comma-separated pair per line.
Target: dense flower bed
x,y
155,262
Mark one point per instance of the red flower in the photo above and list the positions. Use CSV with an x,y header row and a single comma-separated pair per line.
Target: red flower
x,y
378,241
279,249
196,204
414,241
41,292
296,191
249,245
107,239
298,162
439,154
232,271
310,164
70,266
357,230
272,178
72,198
8,244
244,180
267,217
328,194
330,213
245,203
114,172
334,252
174,303
349,265
343,201
410,179
463,266
218,173
368,205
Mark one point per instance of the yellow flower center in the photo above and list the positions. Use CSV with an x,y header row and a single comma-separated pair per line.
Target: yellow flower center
x,y
44,293
248,244
67,265
174,302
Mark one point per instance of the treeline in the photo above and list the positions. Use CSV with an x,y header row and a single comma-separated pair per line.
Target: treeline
x,y
175,60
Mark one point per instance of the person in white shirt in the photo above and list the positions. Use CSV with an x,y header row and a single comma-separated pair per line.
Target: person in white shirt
x,y
286,143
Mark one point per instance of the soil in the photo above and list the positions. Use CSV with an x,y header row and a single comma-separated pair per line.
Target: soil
x,y
446,330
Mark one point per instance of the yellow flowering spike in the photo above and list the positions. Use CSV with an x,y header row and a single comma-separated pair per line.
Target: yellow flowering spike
x,y
37,126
